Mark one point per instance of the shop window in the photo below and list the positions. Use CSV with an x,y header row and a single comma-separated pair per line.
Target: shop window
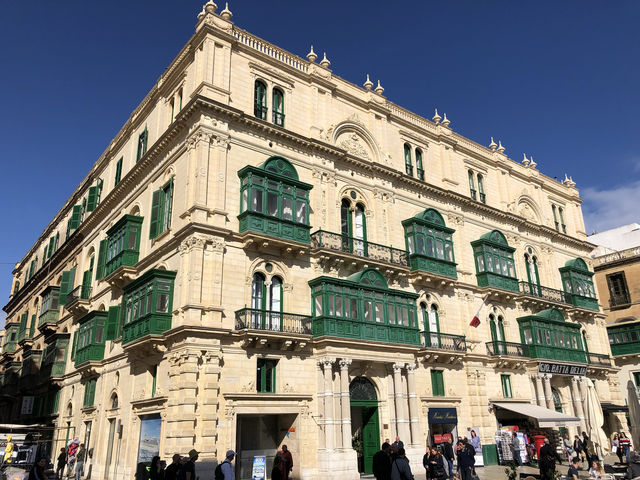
x,y
506,386
266,376
437,383
618,290
260,100
557,401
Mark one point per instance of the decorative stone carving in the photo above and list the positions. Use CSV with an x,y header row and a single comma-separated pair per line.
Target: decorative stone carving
x,y
353,145
287,388
345,362
249,387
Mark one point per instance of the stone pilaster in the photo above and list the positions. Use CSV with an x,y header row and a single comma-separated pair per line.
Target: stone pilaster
x,y
181,403
401,410
345,402
413,404
329,422
539,390
208,399
546,381
320,395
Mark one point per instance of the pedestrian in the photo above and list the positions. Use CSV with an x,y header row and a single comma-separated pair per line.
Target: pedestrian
x,y
633,471
61,463
400,469
587,446
425,463
171,473
625,444
547,461
188,470
466,460
398,444
572,474
457,449
447,453
227,467
436,465
515,449
81,456
578,447
382,463
615,446
154,469
287,460
37,472
277,472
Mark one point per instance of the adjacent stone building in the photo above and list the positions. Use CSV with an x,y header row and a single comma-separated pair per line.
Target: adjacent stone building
x,y
267,254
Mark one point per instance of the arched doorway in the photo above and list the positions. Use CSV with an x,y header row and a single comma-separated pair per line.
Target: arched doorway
x,y
365,427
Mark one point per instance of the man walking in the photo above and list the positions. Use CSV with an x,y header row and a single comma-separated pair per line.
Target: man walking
x,y
62,462
171,472
188,470
515,449
466,460
382,463
447,453
81,456
287,458
227,466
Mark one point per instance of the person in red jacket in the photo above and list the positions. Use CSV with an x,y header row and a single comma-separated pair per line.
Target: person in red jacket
x,y
287,459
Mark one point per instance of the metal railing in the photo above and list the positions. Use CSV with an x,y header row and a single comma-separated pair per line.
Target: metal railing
x,y
361,248
599,359
81,292
546,293
255,319
445,341
508,349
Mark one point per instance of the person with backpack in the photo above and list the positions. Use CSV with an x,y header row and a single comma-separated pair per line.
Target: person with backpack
x,y
188,470
400,469
224,470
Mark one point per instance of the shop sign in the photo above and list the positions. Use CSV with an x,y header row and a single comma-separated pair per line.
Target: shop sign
x,y
562,369
258,471
442,415
442,438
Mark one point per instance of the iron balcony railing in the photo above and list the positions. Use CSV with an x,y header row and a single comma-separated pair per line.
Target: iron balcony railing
x,y
445,341
356,246
255,319
508,349
546,293
599,359
81,292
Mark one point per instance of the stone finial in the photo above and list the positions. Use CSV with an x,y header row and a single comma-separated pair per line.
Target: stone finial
x,y
368,84
525,160
379,89
201,14
226,13
445,121
436,118
210,7
493,145
500,148
532,164
325,63
311,56
568,181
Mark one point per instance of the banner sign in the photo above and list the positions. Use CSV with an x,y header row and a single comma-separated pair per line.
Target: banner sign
x,y
27,406
562,369
258,471
442,415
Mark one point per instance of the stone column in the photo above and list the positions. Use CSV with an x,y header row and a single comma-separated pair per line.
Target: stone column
x,y
540,393
181,404
209,401
413,404
321,432
329,425
547,390
401,411
576,394
393,415
345,402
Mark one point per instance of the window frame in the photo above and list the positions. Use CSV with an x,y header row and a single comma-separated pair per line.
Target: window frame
x,y
278,107
437,383
260,108
507,391
265,368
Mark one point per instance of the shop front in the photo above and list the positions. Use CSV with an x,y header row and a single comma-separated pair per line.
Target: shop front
x,y
443,425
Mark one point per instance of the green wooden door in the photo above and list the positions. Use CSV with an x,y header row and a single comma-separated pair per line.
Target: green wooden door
x,y
370,436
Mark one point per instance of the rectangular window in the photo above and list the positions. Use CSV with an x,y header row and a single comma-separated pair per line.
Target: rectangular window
x,y
636,379
437,383
154,378
618,290
142,144
118,171
266,376
89,393
506,386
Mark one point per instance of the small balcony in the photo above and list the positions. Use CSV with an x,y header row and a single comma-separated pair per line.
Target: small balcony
x,y
48,320
445,341
557,353
507,349
349,248
93,352
545,294
599,360
624,339
265,328
581,301
78,300
10,347
490,279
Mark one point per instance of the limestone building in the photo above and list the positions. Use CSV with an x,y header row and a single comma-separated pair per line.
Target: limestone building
x,y
267,254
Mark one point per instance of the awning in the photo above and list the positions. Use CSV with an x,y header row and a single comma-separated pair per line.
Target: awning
x,y
611,407
544,416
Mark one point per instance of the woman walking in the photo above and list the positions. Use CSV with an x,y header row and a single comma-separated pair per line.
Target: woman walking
x,y
625,444
615,445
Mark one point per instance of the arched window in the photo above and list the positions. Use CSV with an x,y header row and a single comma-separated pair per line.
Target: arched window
x,y
562,224
407,160
483,197
114,401
266,303
353,227
260,100
419,167
278,107
431,324
555,217
557,401
531,263
472,186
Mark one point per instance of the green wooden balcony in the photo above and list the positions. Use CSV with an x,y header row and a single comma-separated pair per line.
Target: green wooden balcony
x,y
52,370
253,319
548,352
10,347
94,352
81,292
624,338
581,301
508,349
337,242
273,226
445,341
490,279
433,265
151,324
358,329
48,318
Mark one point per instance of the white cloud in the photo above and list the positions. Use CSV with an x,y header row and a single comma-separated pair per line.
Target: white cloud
x,y
605,209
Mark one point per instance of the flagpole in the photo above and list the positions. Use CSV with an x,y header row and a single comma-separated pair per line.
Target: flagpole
x,y
484,300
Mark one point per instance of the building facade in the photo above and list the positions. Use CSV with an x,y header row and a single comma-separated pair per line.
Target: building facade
x,y
267,254
616,261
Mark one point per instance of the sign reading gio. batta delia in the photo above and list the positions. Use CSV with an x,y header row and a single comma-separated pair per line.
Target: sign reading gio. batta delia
x,y
562,369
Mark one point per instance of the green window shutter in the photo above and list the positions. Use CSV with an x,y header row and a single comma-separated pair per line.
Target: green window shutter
x,y
32,328
157,207
113,319
23,321
74,344
76,217
142,144
92,201
118,171
86,278
102,256
66,285
437,383
52,247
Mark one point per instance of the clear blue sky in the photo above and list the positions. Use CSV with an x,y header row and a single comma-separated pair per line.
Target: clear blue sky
x,y
557,80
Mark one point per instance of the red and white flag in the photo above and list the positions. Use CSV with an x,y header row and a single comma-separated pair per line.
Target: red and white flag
x,y
476,319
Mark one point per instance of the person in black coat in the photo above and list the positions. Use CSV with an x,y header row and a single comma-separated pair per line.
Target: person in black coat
x,y
466,459
382,463
547,461
447,453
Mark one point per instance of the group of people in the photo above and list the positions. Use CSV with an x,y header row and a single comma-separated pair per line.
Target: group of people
x,y
391,463
79,458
